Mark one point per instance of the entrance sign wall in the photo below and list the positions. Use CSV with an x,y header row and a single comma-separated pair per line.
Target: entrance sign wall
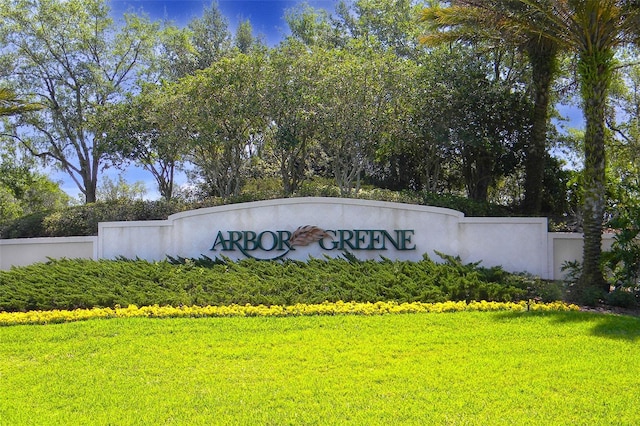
x,y
297,228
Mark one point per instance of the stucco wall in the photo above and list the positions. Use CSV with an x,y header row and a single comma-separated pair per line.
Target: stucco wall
x,y
567,247
193,233
149,240
516,244
25,251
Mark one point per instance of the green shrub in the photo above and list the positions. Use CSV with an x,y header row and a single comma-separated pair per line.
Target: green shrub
x,y
30,226
318,187
622,262
70,284
465,205
83,220
623,298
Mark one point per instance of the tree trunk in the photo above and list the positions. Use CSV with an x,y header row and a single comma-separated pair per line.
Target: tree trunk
x,y
165,181
595,72
542,55
90,192
478,169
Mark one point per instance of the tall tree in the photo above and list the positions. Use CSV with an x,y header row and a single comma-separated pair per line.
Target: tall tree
x,y
484,117
147,130
244,40
210,36
75,60
357,96
499,22
391,22
417,151
173,57
292,101
226,120
315,27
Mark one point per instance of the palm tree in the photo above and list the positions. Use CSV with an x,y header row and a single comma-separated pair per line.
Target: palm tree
x,y
593,30
497,21
11,105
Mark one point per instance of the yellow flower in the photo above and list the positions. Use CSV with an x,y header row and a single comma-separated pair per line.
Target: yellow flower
x,y
299,309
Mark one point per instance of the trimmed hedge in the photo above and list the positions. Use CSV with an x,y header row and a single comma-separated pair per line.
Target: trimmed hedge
x,y
72,284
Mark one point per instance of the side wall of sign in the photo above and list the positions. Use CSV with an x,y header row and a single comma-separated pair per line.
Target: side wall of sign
x,y
25,251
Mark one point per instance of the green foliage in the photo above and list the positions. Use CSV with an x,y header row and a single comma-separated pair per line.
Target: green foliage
x,y
623,298
29,226
142,130
210,36
110,190
11,104
24,190
265,188
622,262
70,284
543,290
224,115
318,188
466,205
83,220
577,291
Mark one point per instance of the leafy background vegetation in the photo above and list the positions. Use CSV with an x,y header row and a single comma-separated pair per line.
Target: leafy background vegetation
x,y
349,96
83,219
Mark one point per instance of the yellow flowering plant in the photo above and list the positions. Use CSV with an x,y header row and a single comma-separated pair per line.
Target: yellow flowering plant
x,y
299,309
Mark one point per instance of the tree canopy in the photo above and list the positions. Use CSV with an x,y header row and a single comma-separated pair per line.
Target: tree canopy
x,y
351,96
74,60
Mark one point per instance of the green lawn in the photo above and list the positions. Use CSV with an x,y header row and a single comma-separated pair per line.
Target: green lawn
x,y
484,368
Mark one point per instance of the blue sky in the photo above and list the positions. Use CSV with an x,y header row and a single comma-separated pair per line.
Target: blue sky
x,y
266,16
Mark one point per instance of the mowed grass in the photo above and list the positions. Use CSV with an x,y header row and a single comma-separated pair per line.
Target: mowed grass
x,y
478,368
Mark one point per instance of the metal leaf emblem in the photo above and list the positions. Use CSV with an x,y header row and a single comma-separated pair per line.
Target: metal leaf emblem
x,y
305,235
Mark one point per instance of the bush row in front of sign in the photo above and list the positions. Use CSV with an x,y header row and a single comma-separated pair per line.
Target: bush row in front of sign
x,y
71,284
